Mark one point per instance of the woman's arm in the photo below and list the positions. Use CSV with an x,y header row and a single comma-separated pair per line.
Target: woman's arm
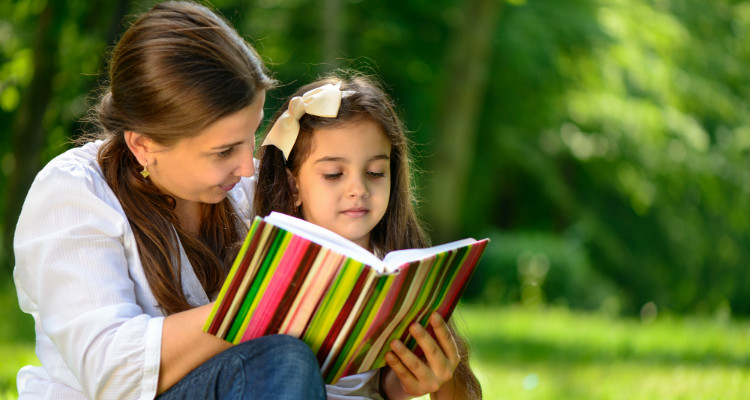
x,y
77,273
184,345
183,330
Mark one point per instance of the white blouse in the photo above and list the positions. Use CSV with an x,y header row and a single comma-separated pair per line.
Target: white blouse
x,y
79,275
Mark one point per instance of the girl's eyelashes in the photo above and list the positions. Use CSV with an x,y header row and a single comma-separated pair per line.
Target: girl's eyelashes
x,y
331,177
371,174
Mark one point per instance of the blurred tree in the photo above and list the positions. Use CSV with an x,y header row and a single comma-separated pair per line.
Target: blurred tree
x,y
465,83
28,131
622,126
603,142
332,32
61,32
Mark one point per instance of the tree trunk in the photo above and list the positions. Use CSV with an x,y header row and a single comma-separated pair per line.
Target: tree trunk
x,y
28,127
29,135
461,104
332,33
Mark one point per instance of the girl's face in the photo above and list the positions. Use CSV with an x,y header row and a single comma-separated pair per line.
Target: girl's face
x,y
344,184
203,168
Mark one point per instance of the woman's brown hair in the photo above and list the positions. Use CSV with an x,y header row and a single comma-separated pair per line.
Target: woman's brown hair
x,y
178,69
400,227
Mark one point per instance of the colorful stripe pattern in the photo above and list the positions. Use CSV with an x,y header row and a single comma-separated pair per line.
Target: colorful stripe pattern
x,y
346,312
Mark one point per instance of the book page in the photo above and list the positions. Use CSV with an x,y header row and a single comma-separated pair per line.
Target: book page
x,y
340,244
397,258
325,238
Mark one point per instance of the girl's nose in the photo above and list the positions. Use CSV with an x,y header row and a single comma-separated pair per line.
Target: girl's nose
x,y
358,188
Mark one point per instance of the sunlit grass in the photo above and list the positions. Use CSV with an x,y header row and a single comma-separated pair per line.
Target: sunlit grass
x,y
15,355
558,354
544,354
16,341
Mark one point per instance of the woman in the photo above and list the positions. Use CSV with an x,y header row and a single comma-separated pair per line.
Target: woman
x,y
122,243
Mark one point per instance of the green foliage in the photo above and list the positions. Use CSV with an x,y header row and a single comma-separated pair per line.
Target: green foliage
x,y
535,268
16,340
15,356
611,171
613,135
624,125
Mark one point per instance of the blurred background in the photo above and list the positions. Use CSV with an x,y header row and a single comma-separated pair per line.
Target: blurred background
x,y
603,146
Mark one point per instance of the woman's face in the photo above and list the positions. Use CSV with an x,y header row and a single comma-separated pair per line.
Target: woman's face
x,y
205,167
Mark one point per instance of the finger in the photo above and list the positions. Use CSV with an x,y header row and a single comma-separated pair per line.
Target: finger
x,y
416,366
409,382
439,363
445,338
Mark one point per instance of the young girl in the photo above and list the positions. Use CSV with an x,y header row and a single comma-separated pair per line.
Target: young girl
x,y
337,156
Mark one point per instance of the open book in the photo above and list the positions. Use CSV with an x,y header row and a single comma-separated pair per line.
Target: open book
x,y
295,278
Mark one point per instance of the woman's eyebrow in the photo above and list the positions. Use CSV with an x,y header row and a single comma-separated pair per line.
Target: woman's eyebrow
x,y
228,145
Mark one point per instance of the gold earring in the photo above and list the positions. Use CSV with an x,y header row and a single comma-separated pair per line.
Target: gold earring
x,y
145,172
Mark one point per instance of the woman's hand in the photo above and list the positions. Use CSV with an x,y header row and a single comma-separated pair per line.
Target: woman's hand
x,y
410,376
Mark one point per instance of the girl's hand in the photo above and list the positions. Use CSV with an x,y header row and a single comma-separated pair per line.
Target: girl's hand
x,y
409,376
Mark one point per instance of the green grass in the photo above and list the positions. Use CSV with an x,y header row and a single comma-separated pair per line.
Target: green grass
x,y
548,353
559,354
16,341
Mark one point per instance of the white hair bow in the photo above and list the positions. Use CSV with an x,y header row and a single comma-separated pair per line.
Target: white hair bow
x,y
323,101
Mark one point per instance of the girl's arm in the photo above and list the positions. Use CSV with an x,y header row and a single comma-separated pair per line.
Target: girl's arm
x,y
184,345
409,376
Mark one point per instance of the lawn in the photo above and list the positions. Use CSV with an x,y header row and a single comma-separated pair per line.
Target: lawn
x,y
559,354
547,353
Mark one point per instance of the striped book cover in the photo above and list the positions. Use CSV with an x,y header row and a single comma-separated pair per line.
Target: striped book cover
x,y
295,278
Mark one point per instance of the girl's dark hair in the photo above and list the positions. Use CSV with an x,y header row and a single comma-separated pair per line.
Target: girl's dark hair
x,y
178,69
400,227
369,101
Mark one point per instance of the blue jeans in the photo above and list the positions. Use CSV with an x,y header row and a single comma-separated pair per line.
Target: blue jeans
x,y
271,367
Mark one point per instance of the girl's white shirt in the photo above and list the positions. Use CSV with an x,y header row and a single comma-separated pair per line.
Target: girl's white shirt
x,y
79,275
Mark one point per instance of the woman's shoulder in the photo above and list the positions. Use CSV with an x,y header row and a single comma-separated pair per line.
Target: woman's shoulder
x,y
76,161
75,170
71,191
